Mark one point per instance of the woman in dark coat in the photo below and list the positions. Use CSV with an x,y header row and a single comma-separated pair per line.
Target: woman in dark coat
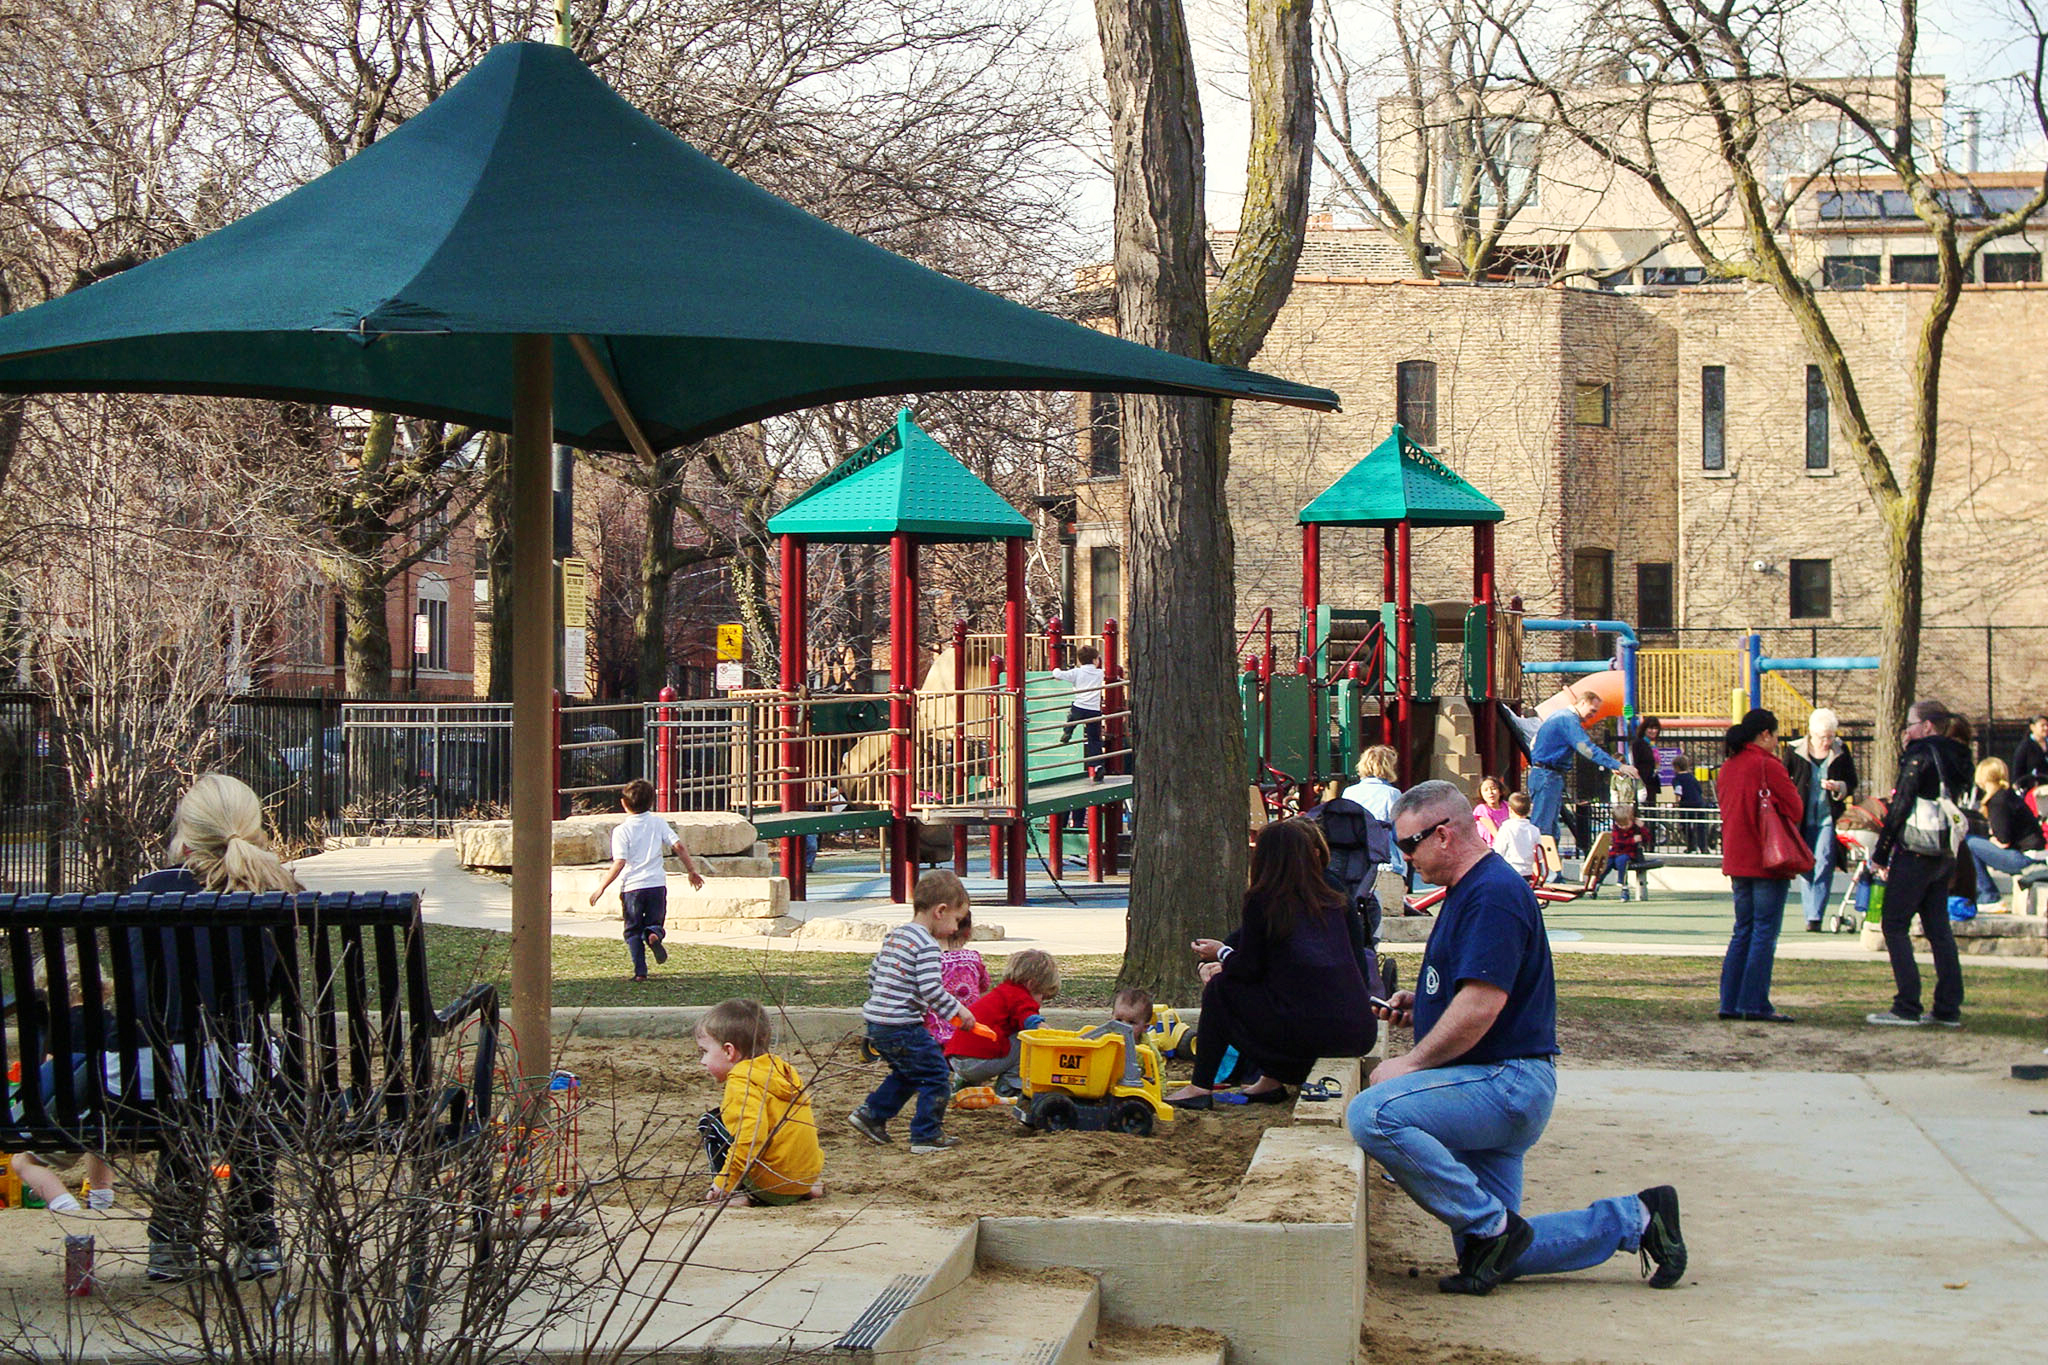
x,y
1752,768
1285,987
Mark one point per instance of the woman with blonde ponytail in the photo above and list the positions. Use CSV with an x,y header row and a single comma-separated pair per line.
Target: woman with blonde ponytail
x,y
219,844
218,838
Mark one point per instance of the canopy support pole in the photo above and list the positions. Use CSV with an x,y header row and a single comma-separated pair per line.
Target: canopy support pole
x,y
533,675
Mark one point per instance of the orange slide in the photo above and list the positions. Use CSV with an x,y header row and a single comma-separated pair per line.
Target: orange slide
x,y
1607,686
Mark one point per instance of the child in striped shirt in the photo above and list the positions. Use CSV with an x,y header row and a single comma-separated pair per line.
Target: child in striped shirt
x,y
903,982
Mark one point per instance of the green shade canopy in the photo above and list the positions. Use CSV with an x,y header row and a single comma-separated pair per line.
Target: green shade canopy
x,y
902,480
531,198
1400,481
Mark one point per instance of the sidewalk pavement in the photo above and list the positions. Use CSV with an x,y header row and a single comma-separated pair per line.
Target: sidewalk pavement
x,y
1688,916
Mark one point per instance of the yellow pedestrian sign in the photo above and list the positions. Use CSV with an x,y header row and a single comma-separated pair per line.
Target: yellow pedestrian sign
x,y
731,643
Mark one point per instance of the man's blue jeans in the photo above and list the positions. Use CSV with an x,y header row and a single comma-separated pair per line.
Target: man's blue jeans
x,y
1815,890
916,1067
1454,1139
1753,947
1546,799
2010,861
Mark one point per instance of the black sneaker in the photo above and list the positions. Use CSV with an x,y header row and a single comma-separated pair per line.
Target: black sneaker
x,y
869,1127
656,946
1662,1242
1485,1261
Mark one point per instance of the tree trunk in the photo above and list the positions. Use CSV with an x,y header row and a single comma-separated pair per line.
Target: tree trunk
x,y
1187,876
657,571
369,630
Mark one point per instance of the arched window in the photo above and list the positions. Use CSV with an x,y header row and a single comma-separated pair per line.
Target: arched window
x,y
1415,400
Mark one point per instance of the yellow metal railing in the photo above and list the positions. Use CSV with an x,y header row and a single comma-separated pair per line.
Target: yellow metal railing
x,y
962,747
1696,683
1682,683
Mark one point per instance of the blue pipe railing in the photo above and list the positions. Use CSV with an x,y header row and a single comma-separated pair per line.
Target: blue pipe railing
x,y
1621,628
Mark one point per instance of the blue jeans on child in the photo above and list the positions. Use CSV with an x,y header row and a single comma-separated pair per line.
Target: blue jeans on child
x,y
916,1067
1454,1138
1753,947
1815,890
646,912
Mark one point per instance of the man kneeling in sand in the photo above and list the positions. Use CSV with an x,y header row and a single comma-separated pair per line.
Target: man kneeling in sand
x,y
1452,1118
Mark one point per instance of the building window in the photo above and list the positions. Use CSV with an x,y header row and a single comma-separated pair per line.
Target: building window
x,y
1507,155
434,535
1816,419
340,631
1674,274
1914,270
1105,436
1848,272
2012,267
1415,400
1593,584
1813,593
433,605
1713,416
1593,405
1105,585
1653,597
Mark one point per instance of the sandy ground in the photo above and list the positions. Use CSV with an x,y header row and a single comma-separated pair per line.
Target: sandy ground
x,y
645,1096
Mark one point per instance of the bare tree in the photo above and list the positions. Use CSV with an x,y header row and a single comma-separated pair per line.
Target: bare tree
x,y
1725,86
1189,867
1421,137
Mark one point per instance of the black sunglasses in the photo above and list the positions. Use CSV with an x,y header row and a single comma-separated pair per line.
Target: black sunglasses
x,y
1414,841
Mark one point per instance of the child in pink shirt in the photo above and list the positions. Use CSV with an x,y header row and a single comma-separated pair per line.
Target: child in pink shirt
x,y
961,971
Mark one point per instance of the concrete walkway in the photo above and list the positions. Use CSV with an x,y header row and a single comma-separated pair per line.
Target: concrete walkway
x,y
1688,915
1829,1217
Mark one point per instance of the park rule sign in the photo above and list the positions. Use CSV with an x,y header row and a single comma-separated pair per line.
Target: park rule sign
x,y
731,643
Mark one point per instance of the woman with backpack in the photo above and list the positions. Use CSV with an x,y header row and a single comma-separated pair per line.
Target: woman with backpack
x,y
1751,778
1916,856
1284,988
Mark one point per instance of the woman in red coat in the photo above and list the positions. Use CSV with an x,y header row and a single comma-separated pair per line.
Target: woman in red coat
x,y
1753,768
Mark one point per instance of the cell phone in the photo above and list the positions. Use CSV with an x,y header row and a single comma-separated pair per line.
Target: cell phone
x,y
1383,1004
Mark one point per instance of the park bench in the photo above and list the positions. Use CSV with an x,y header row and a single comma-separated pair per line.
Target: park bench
x,y
321,1000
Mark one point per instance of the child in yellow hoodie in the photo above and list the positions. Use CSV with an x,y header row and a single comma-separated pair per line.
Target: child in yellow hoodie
x,y
761,1140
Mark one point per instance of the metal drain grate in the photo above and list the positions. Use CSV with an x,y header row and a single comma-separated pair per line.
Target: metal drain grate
x,y
866,1332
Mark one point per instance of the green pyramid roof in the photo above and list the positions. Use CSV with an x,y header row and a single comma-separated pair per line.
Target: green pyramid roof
x,y
902,480
1400,481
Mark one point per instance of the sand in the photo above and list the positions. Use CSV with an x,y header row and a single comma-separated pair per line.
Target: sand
x,y
644,1097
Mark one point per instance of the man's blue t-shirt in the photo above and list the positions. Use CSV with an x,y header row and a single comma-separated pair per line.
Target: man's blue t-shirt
x,y
1489,929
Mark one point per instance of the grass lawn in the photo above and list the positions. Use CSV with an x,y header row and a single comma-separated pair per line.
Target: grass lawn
x,y
1592,987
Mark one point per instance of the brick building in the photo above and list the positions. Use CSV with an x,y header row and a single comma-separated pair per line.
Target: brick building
x,y
1662,456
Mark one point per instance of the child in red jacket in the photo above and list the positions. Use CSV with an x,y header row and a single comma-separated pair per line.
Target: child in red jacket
x,y
1029,980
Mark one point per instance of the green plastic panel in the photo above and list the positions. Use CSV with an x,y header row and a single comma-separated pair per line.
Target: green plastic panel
x,y
1473,666
1425,648
1289,755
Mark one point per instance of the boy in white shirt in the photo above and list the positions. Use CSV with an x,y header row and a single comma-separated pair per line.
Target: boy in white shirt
x,y
1086,708
1515,840
639,843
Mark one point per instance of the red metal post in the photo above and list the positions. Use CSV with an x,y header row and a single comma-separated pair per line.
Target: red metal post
x,y
789,622
1311,587
1113,696
1404,653
1386,595
959,770
1013,645
665,752
1095,843
902,635
1482,550
996,833
1055,637
1055,837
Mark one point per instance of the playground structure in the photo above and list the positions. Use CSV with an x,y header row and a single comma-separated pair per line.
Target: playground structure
x,y
1374,671
977,742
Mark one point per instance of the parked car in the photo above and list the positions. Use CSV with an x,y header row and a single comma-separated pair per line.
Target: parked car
x,y
333,743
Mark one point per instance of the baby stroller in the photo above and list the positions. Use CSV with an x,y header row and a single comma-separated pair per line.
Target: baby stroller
x,y
1853,847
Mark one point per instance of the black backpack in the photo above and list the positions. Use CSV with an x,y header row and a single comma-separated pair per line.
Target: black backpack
x,y
1360,844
